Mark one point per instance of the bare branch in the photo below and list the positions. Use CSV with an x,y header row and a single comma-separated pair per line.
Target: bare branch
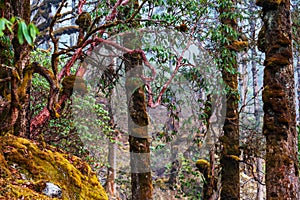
x,y
58,32
54,58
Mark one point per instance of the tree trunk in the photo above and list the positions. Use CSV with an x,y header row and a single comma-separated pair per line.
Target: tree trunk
x,y
230,173
275,39
139,141
112,148
110,186
14,61
243,79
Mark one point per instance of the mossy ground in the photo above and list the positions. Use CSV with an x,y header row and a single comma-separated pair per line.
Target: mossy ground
x,y
25,167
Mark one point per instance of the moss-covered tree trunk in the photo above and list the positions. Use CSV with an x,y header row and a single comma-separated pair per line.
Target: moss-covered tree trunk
x,y
139,141
275,39
230,174
14,58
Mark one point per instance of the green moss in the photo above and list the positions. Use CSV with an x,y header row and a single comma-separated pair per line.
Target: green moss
x,y
238,45
27,77
277,60
203,166
21,158
202,162
22,192
4,171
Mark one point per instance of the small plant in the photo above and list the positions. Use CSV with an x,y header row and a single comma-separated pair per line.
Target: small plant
x,y
26,32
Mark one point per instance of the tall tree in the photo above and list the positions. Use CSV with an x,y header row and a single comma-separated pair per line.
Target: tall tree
x,y
230,178
138,120
279,128
141,180
14,70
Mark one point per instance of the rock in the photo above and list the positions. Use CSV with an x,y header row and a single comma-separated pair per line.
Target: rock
x,y
52,190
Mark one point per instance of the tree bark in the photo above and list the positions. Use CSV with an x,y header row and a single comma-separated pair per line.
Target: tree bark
x,y
112,150
230,173
139,141
17,99
275,39
110,186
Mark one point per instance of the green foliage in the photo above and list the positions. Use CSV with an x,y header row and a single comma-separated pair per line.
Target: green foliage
x,y
28,32
82,107
25,33
82,129
75,130
41,56
190,180
40,87
7,53
33,31
4,23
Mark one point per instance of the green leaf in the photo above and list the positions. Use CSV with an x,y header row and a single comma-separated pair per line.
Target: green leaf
x,y
25,32
8,25
20,34
12,20
1,33
32,31
36,30
7,22
2,24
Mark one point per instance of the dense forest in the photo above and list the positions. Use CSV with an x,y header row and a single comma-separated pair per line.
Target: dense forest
x,y
140,100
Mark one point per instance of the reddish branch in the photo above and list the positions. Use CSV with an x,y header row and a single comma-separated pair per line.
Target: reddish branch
x,y
114,10
54,89
78,52
166,85
44,115
85,41
80,6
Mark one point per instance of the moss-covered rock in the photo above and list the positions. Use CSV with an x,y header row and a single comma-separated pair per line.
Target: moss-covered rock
x,y
25,168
